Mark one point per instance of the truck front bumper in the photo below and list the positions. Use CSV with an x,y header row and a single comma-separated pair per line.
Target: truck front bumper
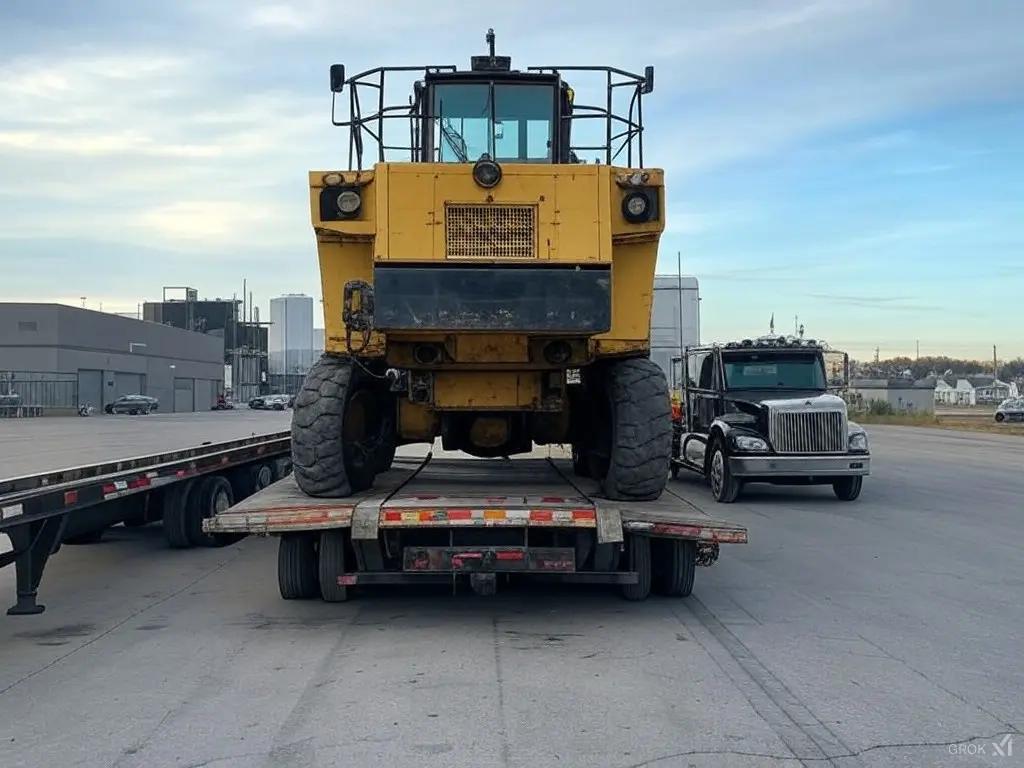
x,y
800,466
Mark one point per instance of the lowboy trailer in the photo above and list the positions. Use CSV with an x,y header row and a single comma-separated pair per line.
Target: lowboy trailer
x,y
438,519
40,512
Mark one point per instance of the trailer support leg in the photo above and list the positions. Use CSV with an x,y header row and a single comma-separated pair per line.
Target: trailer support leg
x,y
34,543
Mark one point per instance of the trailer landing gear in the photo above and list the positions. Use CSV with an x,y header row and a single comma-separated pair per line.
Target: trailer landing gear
x,y
32,543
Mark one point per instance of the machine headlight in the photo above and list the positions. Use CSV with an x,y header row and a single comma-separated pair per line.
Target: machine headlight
x,y
635,207
750,444
859,441
486,173
349,202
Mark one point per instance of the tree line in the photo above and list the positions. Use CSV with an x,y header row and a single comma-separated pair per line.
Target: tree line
x,y
921,367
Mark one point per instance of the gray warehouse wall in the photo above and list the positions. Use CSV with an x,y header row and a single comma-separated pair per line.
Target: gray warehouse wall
x,y
109,355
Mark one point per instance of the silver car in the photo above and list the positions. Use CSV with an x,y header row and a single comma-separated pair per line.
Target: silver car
x,y
1011,409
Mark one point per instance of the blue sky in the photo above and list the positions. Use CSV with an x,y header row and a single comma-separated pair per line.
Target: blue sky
x,y
854,162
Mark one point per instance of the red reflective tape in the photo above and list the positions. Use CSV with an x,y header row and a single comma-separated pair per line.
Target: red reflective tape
x,y
542,515
584,514
460,514
552,500
513,555
107,488
70,497
427,497
393,517
140,482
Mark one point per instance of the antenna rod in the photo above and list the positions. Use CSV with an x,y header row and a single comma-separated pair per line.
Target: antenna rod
x,y
490,41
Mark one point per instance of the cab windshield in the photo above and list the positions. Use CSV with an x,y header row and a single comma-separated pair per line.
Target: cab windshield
x,y
773,370
510,122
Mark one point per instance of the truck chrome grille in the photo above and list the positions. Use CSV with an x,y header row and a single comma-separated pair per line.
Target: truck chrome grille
x,y
808,431
490,232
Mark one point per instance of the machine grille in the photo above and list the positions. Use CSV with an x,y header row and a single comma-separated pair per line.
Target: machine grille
x,y
490,232
808,431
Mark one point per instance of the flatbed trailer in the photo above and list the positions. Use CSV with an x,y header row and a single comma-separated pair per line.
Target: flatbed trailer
x,y
177,485
438,519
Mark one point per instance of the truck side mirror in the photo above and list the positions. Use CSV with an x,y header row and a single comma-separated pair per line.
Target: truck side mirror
x,y
648,85
337,78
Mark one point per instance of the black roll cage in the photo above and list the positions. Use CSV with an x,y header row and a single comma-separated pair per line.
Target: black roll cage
x,y
623,133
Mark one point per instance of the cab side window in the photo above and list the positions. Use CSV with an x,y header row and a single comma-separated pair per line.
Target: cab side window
x,y
707,373
694,365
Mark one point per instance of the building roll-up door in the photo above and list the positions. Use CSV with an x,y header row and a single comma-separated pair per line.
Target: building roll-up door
x,y
90,388
128,384
184,395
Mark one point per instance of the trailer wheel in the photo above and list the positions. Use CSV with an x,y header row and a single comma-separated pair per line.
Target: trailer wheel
x,y
848,488
334,420
176,504
639,431
91,537
674,566
332,565
296,566
725,488
639,560
212,496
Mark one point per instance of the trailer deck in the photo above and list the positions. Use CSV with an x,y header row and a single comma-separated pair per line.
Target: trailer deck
x,y
463,492
38,445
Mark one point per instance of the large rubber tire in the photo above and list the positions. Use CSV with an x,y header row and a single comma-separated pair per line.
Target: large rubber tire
x,y
296,566
580,466
848,488
640,430
213,495
639,550
674,567
176,500
325,462
332,565
384,457
725,488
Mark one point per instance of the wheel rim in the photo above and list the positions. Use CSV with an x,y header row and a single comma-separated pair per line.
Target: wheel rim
x,y
717,473
220,502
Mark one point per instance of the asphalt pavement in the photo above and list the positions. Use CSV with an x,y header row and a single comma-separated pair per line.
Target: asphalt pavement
x,y
886,632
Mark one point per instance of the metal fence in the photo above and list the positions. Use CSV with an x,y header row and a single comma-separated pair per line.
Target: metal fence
x,y
44,390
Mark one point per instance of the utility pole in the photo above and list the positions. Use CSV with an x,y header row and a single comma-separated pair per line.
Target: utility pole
x,y
917,355
877,351
995,362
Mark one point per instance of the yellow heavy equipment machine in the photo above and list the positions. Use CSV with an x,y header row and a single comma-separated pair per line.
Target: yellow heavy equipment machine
x,y
466,282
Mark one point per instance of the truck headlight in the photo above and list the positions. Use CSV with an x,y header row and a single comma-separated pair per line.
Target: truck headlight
x,y
750,444
859,442
636,207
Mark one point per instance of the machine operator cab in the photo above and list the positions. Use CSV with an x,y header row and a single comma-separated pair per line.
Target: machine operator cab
x,y
495,113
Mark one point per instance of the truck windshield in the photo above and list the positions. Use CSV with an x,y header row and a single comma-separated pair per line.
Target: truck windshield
x,y
518,129
773,370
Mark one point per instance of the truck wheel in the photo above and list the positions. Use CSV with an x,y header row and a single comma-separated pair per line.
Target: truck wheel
x,y
213,495
848,488
334,420
296,566
332,565
640,431
725,488
580,466
675,566
176,501
639,560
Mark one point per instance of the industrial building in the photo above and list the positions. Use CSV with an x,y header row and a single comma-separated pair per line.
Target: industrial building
x,y
57,357
903,395
234,321
675,319
291,334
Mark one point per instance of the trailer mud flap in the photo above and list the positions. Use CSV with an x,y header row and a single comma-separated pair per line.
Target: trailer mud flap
x,y
489,559
609,522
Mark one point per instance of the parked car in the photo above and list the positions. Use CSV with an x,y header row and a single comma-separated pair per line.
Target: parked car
x,y
270,402
133,405
1011,409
